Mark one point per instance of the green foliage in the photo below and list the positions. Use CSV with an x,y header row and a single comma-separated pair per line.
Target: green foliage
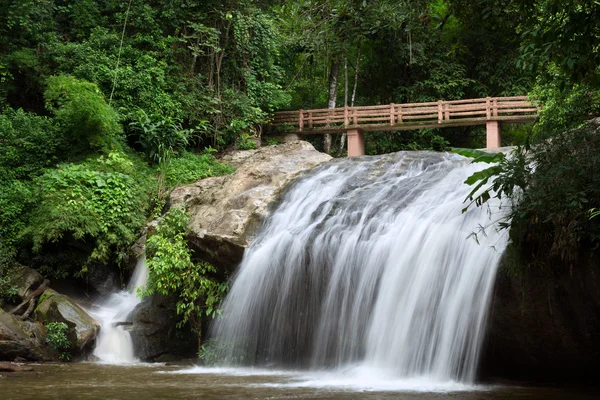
x,y
101,202
552,189
56,337
190,167
29,144
8,291
83,116
160,137
387,142
565,108
172,272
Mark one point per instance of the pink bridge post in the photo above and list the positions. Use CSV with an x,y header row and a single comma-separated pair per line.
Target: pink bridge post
x,y
493,135
356,142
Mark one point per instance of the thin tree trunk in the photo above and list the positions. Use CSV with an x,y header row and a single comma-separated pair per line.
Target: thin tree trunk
x,y
343,138
333,81
355,75
343,135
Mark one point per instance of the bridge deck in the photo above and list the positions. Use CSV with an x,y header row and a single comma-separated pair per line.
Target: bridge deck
x,y
408,116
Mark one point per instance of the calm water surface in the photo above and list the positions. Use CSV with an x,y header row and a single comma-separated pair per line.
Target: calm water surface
x,y
96,381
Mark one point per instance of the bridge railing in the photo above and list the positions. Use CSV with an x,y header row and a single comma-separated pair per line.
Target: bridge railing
x,y
453,112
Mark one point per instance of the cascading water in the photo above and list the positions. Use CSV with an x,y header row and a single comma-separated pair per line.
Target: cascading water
x,y
369,263
114,344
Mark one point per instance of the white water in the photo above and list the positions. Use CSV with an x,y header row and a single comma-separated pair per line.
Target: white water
x,y
114,344
368,269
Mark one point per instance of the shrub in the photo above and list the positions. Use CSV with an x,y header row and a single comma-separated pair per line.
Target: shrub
x,y
86,120
56,337
190,167
102,201
172,272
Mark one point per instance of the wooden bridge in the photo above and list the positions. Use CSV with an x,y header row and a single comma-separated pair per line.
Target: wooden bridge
x,y
489,111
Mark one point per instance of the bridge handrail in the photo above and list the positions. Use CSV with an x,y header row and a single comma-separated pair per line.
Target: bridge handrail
x,y
440,112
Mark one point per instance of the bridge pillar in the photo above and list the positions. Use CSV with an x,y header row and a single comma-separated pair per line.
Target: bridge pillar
x,y
493,136
356,142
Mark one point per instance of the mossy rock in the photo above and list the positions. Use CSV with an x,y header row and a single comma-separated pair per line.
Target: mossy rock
x,y
21,339
55,307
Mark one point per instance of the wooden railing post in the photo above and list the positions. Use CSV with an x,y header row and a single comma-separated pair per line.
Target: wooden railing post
x,y
446,111
301,120
440,112
495,113
488,112
310,119
400,114
354,117
392,116
346,119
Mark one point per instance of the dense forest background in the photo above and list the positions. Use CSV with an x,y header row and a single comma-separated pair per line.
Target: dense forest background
x,y
106,105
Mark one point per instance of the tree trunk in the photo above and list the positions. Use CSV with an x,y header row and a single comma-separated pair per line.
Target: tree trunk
x,y
333,80
343,138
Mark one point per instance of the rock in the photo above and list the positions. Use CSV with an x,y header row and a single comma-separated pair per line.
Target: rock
x,y
11,367
545,327
226,211
27,280
55,307
21,339
153,331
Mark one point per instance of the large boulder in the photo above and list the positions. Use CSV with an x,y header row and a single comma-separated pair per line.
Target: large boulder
x,y
26,280
545,326
55,307
21,339
227,210
153,331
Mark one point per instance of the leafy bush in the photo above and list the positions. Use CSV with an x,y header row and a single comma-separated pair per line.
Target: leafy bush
x,y
29,144
102,201
190,167
552,187
161,137
56,337
82,114
172,272
564,107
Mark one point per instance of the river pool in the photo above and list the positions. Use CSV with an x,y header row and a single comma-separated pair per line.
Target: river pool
x,y
155,381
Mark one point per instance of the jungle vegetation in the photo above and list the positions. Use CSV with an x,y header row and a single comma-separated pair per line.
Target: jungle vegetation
x,y
106,105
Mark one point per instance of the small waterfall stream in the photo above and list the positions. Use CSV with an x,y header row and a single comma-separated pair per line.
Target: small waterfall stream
x,y
114,345
368,264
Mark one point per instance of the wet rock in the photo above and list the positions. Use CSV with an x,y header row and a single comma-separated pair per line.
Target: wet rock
x,y
11,367
545,327
26,280
226,211
55,307
21,339
153,331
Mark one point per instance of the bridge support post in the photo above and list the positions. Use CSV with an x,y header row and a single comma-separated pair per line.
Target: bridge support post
x,y
356,142
493,135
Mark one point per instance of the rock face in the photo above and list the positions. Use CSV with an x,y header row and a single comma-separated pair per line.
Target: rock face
x,y
26,280
226,211
55,307
153,331
545,328
21,339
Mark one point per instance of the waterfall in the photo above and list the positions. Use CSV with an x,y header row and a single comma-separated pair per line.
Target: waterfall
x,y
114,344
368,263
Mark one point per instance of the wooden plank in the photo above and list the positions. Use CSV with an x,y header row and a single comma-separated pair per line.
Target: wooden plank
x,y
440,112
392,116
301,120
463,113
